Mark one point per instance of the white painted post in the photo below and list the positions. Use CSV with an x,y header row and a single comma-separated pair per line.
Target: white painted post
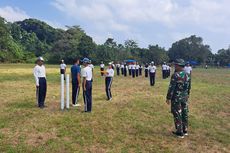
x,y
62,92
67,91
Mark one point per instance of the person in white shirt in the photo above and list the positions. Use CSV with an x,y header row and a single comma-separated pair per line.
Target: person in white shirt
x,y
167,71
140,69
130,69
92,68
118,69
122,68
87,75
102,66
133,70
109,74
125,69
152,73
164,70
137,69
40,79
188,69
63,68
146,70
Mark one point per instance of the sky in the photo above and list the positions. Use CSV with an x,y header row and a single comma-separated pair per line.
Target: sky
x,y
161,22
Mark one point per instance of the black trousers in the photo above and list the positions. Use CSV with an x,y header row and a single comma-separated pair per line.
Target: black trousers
x,y
108,84
118,71
102,69
137,72
152,79
75,92
87,95
122,71
146,73
164,74
62,71
130,72
125,72
140,71
41,92
133,73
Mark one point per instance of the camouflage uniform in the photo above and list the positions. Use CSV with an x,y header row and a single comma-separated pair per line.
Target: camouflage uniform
x,y
178,93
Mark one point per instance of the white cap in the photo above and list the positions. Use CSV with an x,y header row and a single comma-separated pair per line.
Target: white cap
x,y
152,62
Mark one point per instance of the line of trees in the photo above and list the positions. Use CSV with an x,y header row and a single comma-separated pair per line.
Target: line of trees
x,y
23,41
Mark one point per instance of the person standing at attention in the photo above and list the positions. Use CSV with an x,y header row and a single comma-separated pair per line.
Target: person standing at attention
x,y
40,79
87,74
102,66
109,74
63,68
76,82
152,73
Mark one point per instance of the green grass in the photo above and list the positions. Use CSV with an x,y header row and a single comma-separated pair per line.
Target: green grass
x,y
137,119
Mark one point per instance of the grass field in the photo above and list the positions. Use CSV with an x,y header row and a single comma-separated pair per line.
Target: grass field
x,y
136,120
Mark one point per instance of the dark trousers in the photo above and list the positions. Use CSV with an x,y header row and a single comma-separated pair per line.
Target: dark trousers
x,y
152,79
41,92
140,71
87,95
118,71
164,74
108,84
130,72
102,69
75,93
125,72
137,72
146,73
133,73
62,71
122,71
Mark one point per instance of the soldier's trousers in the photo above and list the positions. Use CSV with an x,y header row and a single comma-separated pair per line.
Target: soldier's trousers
x,y
152,79
87,95
133,73
130,72
137,72
75,93
179,110
41,92
146,73
118,71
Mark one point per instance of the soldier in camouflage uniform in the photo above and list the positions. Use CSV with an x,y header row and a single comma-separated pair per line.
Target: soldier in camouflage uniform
x,y
178,94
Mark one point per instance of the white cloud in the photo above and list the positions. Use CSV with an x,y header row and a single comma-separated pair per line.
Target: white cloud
x,y
13,14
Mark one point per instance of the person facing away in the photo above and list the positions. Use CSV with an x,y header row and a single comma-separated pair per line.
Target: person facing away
x,y
118,68
188,68
178,94
63,67
76,82
87,75
109,74
152,73
146,70
102,66
164,70
40,80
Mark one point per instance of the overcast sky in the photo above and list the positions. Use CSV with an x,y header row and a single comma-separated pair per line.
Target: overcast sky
x,y
146,21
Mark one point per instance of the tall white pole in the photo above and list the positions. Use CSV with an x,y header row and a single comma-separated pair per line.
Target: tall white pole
x,y
67,91
62,92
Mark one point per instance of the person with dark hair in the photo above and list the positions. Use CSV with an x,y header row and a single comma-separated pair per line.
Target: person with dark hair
x,y
178,94
76,82
140,69
125,69
146,70
40,79
108,81
164,70
137,69
118,65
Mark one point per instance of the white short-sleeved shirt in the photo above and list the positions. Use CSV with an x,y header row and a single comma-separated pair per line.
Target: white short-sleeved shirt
x,y
130,66
87,73
102,65
133,67
164,67
152,69
91,65
122,66
137,66
62,66
110,73
39,72
118,65
188,69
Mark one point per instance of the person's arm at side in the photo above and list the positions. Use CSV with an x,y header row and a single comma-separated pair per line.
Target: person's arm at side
x,y
36,77
171,89
79,79
84,83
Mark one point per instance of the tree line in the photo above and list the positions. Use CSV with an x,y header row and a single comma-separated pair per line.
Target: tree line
x,y
23,41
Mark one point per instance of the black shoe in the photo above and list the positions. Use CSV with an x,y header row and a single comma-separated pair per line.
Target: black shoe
x,y
179,135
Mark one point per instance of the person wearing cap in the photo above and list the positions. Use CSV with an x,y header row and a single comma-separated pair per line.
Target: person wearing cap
x,y
146,70
137,69
108,81
164,70
188,68
118,65
40,79
102,66
130,69
87,75
152,73
178,93
133,70
76,82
